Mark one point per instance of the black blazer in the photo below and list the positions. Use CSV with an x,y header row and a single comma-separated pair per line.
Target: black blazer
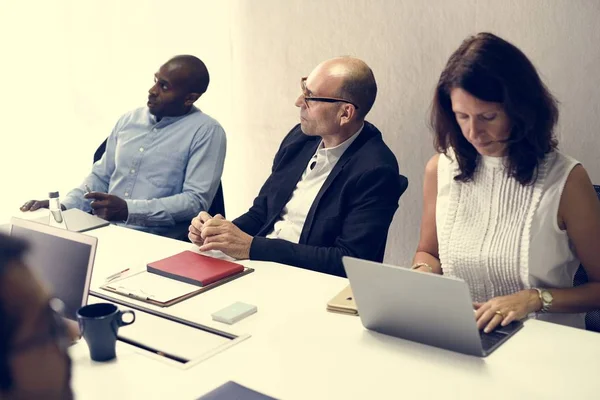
x,y
351,214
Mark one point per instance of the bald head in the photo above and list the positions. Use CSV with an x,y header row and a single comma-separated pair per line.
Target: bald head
x,y
192,72
357,82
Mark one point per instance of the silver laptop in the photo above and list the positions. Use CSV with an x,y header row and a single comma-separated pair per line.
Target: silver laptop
x,y
62,259
77,220
426,308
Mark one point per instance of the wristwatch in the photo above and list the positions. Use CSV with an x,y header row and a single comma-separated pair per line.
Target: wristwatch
x,y
546,298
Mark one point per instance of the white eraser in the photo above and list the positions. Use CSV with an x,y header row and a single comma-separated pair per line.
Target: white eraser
x,y
233,313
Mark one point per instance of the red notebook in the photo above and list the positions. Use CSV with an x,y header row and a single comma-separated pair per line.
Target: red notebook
x,y
194,268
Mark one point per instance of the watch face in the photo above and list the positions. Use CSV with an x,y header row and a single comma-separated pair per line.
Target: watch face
x,y
547,297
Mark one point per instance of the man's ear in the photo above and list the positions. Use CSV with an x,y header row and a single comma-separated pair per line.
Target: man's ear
x,y
348,114
191,98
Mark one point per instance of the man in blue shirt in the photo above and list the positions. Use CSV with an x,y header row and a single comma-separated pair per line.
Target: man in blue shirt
x,y
163,163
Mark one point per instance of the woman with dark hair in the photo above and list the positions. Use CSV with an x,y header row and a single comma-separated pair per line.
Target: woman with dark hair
x,y
503,209
33,340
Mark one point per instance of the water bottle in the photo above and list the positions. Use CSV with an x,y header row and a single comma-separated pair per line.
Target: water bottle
x,y
56,218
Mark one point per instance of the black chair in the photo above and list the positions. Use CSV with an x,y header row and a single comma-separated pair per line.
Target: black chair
x,y
100,151
592,318
218,204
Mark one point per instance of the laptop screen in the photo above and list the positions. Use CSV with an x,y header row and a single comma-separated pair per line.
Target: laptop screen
x,y
62,260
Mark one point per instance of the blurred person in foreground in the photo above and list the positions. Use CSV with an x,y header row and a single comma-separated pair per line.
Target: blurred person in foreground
x,y
34,363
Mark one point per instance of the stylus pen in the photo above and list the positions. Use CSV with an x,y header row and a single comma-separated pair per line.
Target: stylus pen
x,y
116,275
129,294
150,349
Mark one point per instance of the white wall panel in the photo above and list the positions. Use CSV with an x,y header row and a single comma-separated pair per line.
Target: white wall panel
x,y
71,68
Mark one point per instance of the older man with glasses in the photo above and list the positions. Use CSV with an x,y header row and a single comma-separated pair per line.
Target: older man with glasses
x,y
334,186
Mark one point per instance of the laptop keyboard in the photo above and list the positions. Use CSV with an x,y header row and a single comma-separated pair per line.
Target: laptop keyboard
x,y
489,340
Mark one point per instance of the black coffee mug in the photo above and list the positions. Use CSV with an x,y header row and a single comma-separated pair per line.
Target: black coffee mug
x,y
99,324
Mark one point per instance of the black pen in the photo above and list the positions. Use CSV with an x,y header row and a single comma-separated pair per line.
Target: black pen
x,y
150,349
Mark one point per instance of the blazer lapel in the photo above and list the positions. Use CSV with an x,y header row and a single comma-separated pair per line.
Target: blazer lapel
x,y
296,169
366,134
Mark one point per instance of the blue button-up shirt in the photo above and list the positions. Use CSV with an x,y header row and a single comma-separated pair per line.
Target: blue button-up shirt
x,y
166,171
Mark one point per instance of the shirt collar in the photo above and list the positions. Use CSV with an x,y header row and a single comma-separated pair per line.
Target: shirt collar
x,y
333,154
169,120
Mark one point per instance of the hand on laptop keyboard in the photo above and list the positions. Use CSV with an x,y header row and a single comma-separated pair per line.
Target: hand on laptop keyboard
x,y
503,310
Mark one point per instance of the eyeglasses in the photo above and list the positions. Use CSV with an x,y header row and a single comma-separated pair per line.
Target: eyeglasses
x,y
309,97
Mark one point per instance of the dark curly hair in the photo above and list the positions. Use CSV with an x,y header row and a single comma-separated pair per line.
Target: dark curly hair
x,y
494,70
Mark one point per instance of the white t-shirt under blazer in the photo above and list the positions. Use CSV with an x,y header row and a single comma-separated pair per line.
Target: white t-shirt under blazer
x,y
502,237
291,223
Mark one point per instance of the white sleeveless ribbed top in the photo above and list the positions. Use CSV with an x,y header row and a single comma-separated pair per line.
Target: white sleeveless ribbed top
x,y
500,236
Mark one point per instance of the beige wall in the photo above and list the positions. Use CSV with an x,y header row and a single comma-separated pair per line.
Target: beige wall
x,y
70,69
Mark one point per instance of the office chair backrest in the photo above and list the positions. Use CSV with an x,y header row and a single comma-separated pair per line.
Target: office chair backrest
x,y
100,151
218,204
592,318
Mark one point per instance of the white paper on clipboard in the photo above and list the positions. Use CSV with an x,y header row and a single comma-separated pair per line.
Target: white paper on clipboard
x,y
146,285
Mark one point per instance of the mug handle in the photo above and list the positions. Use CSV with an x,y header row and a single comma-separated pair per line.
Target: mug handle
x,y
123,323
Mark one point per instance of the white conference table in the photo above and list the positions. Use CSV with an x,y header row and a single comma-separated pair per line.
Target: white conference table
x,y
298,350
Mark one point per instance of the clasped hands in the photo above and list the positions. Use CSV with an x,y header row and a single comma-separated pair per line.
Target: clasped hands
x,y
217,233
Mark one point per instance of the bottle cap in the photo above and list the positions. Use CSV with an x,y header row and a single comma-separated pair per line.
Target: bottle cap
x,y
53,195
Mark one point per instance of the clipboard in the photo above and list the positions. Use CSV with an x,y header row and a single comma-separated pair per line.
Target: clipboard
x,y
161,291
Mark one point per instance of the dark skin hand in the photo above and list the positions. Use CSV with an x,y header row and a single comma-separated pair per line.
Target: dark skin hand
x,y
108,206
